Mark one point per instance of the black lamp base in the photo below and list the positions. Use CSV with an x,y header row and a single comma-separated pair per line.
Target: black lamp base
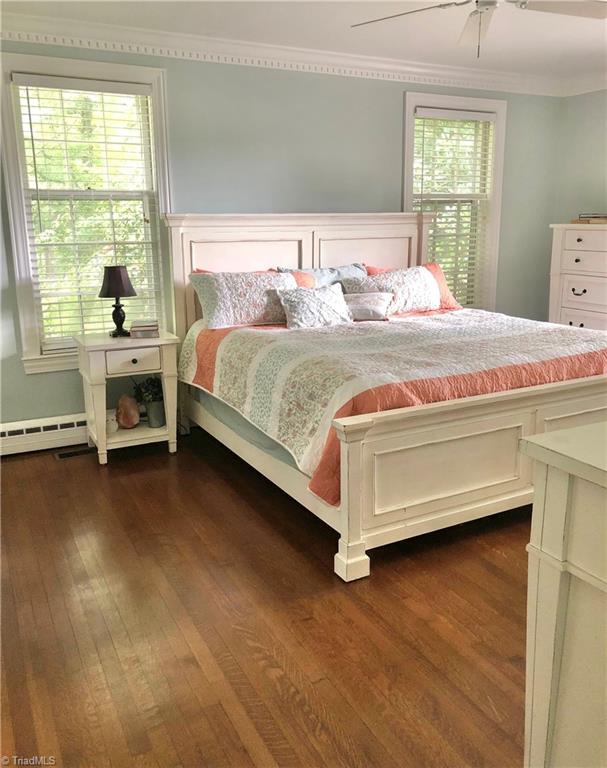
x,y
118,317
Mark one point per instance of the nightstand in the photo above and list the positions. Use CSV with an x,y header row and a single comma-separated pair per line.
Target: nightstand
x,y
100,358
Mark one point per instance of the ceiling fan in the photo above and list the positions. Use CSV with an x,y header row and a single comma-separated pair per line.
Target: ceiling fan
x,y
477,24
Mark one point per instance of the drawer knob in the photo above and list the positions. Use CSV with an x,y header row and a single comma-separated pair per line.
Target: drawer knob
x,y
581,325
575,293
134,361
571,322
577,261
579,240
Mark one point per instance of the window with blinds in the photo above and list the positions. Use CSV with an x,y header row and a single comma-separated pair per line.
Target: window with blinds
x,y
91,200
453,155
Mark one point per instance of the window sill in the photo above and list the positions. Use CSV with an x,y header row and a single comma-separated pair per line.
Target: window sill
x,y
64,361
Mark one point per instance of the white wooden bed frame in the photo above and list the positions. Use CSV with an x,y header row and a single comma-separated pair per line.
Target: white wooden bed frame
x,y
407,471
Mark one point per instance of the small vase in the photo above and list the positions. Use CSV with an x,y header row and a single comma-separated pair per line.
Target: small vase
x,y
155,413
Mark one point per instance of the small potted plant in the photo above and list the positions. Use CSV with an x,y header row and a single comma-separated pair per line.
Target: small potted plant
x,y
149,392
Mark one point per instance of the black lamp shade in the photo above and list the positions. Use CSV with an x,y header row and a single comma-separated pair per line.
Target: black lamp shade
x,y
116,283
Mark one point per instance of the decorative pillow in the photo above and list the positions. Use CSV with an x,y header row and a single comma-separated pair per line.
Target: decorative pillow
x,y
240,298
369,306
327,275
315,307
414,289
447,299
303,279
372,271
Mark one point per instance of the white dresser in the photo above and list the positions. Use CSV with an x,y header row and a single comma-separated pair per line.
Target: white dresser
x,y
578,275
566,688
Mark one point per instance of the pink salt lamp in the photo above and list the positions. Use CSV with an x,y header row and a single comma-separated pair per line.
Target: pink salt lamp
x,y
127,412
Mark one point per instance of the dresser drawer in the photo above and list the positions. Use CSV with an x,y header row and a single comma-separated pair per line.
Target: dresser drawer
x,y
586,240
584,261
124,361
583,292
584,319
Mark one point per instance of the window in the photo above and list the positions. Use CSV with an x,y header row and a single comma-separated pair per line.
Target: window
x,y
453,171
88,174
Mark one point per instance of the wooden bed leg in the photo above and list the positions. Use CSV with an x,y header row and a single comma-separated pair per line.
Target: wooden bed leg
x,y
351,561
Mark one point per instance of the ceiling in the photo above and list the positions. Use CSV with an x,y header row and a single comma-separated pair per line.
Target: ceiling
x,y
518,41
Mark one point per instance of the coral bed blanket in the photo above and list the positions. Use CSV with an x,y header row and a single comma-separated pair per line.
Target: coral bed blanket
x,y
291,384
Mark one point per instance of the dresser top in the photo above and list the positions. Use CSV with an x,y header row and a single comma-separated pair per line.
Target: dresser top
x,y
581,451
590,227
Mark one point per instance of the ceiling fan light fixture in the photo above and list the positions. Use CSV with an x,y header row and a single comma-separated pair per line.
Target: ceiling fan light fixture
x,y
478,21
486,5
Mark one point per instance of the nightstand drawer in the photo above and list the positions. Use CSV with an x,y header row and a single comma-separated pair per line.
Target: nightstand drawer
x,y
121,361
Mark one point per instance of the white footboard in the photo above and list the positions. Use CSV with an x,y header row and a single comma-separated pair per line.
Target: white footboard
x,y
414,470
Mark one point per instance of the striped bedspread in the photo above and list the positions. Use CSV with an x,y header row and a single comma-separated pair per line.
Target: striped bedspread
x,y
291,384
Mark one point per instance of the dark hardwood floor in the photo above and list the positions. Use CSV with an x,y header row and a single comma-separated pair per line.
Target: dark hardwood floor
x,y
182,611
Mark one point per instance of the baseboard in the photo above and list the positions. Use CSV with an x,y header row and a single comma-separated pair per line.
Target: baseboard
x,y
41,434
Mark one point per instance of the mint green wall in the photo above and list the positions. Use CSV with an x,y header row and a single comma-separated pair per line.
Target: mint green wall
x,y
257,140
582,157
26,397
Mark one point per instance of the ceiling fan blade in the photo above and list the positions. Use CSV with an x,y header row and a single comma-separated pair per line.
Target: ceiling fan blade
x,y
475,28
407,13
592,9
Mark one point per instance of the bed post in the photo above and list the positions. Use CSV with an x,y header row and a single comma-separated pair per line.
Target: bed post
x,y
179,274
423,226
351,560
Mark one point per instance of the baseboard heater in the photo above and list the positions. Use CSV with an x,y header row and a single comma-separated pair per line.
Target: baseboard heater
x,y
41,434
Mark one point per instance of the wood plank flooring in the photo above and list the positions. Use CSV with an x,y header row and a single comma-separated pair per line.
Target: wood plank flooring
x,y
182,611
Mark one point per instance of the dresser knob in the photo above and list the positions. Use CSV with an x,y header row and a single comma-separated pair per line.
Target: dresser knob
x,y
571,322
577,261
581,325
580,240
575,293
134,361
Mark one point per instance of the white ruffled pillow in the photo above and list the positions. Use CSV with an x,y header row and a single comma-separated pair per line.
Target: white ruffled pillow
x,y
369,306
315,307
241,298
414,289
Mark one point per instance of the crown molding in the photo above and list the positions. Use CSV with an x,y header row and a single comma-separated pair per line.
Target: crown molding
x,y
42,30
584,83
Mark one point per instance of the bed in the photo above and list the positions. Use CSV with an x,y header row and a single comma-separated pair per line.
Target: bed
x,y
402,471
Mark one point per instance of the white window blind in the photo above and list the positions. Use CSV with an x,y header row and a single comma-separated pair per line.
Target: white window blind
x,y
91,200
452,178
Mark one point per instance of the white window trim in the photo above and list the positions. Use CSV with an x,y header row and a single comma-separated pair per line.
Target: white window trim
x,y
467,103
33,360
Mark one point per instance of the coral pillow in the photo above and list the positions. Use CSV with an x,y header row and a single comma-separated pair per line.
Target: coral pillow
x,y
304,279
372,271
447,299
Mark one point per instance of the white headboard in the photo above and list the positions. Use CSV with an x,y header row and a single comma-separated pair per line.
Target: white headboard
x,y
239,243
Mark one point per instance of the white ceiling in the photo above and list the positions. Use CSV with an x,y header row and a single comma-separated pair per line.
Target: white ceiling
x,y
518,41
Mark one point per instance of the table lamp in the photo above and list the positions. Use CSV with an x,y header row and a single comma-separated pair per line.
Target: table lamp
x,y
116,284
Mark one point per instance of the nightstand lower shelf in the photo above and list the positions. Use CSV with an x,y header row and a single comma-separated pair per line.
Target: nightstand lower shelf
x,y
138,435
